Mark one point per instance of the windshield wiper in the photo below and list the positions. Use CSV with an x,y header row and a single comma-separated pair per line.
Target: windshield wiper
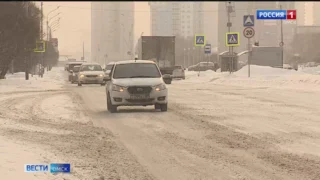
x,y
142,77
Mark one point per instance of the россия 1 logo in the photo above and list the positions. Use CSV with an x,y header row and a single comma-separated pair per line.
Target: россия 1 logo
x,y
277,14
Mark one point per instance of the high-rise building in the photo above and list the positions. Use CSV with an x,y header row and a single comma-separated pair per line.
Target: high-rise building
x,y
210,19
316,14
112,29
176,18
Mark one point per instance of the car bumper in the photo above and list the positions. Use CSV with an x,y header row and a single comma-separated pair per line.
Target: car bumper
x,y
179,76
95,80
123,98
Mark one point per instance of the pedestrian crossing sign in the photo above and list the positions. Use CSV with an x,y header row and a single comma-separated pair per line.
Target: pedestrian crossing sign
x,y
232,39
199,40
40,46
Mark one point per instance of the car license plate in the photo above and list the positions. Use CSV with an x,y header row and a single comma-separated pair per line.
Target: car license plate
x,y
139,96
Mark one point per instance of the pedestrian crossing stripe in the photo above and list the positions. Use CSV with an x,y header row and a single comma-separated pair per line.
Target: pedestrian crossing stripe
x,y
232,39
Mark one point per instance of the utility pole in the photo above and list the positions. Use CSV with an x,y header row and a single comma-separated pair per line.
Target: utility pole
x,y
281,43
229,24
83,51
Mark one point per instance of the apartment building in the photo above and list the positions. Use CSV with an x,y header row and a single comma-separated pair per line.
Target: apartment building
x,y
112,29
176,18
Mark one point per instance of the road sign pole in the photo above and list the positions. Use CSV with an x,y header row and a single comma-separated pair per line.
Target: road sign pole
x,y
249,53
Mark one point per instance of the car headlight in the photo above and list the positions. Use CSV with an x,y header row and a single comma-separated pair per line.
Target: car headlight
x,y
117,88
81,75
101,75
160,87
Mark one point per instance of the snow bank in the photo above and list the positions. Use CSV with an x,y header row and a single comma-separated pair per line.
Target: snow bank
x,y
310,70
261,76
265,71
203,76
51,80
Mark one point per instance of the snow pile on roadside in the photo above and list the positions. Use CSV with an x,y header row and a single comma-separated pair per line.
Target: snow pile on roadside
x,y
310,70
272,77
265,71
261,76
203,76
51,80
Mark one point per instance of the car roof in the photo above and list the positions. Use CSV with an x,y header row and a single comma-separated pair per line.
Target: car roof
x,y
135,61
76,62
75,66
92,63
111,63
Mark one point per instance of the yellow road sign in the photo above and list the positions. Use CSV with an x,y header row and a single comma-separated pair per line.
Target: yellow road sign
x,y
199,40
40,46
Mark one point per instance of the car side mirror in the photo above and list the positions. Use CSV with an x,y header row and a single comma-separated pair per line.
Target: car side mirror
x,y
166,76
106,78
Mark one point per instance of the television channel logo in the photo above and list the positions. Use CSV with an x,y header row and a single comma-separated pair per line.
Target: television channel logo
x,y
60,168
277,14
36,168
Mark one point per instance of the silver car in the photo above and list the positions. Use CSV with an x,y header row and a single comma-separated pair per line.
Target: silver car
x,y
91,73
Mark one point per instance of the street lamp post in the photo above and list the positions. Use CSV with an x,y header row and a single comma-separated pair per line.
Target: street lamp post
x,y
48,20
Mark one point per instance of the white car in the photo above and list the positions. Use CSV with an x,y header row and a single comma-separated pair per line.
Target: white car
x,y
178,72
136,83
108,68
91,73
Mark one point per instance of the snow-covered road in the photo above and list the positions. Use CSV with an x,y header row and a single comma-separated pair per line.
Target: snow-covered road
x,y
218,126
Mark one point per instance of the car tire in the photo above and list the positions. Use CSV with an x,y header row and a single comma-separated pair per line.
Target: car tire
x,y
157,107
103,84
79,84
111,108
164,107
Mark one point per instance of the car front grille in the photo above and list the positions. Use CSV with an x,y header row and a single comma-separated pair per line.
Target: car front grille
x,y
140,100
139,90
91,76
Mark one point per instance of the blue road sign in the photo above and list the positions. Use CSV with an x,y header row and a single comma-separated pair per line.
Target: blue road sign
x,y
207,49
199,40
271,14
232,39
248,20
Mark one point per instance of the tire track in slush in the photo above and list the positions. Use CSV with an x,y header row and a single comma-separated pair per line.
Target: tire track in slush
x,y
289,164
92,151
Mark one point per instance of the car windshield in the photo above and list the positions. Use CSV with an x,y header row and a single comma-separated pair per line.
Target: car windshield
x,y
109,67
73,65
91,68
76,69
136,70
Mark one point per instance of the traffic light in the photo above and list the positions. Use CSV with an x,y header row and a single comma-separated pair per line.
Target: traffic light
x,y
256,43
40,46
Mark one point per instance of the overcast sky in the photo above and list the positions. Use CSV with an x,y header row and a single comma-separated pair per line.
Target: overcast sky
x,y
75,24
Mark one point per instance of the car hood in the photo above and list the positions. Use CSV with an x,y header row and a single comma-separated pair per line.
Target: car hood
x,y
138,81
91,72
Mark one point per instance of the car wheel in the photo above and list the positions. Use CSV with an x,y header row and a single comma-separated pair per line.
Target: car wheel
x,y
157,107
111,108
79,84
164,107
103,84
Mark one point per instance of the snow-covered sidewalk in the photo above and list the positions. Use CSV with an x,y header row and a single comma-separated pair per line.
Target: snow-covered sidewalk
x,y
260,77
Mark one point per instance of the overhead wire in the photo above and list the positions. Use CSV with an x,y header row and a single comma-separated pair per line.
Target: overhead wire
x,y
128,10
